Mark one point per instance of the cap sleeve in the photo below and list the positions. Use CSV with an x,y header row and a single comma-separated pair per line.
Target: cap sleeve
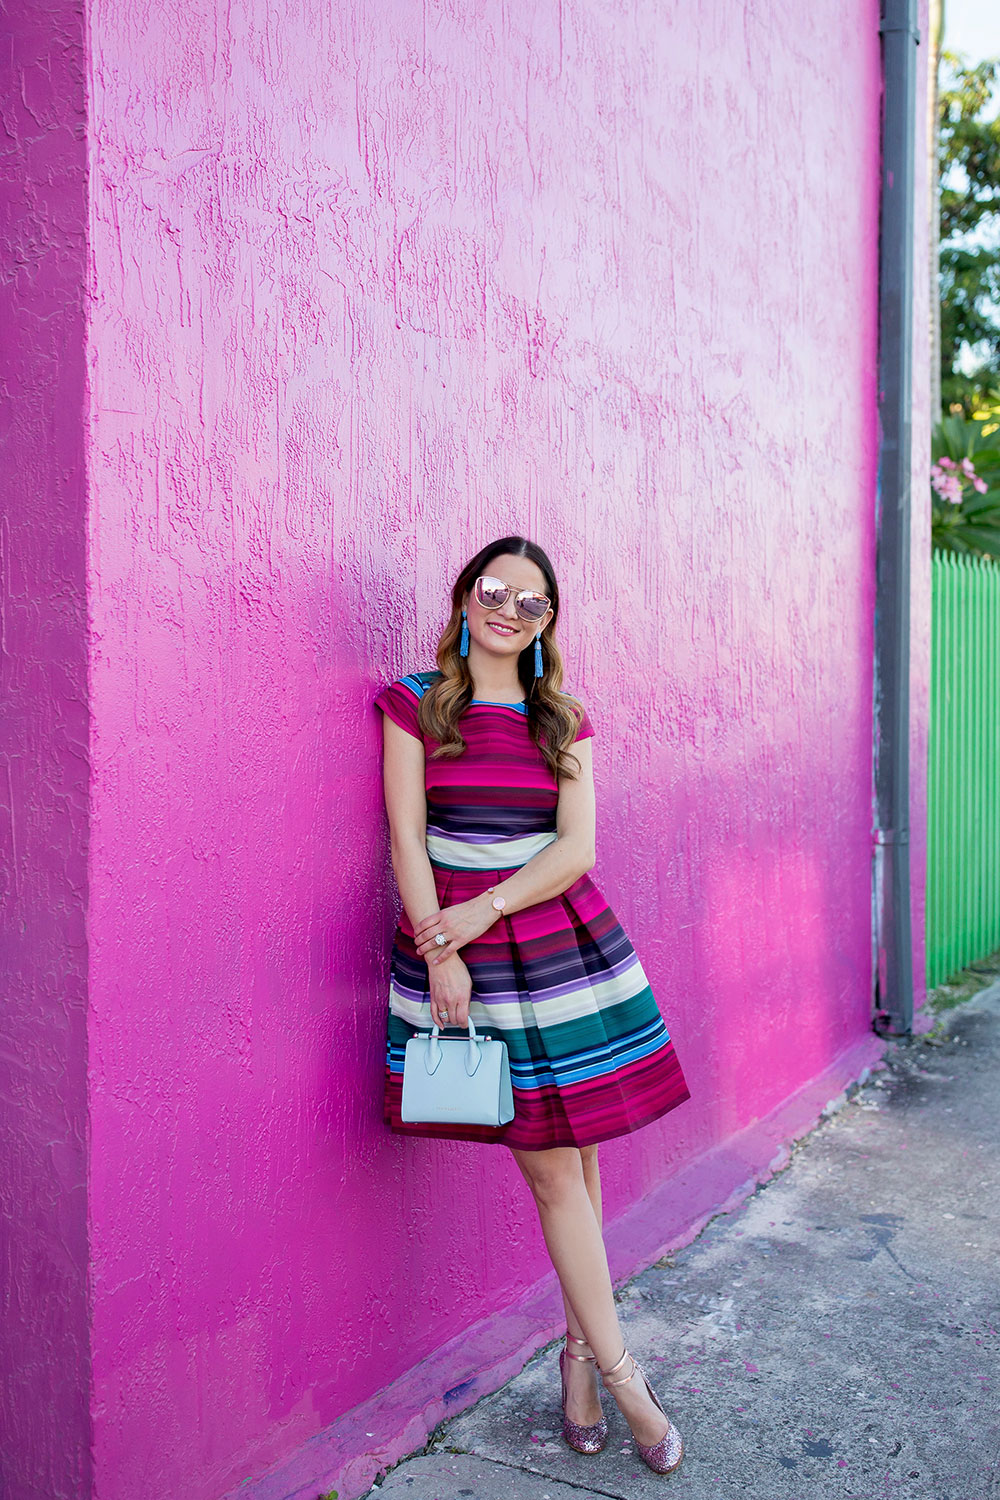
x,y
401,702
586,729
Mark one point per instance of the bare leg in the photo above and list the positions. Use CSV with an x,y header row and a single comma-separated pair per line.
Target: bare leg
x,y
575,1244
583,1403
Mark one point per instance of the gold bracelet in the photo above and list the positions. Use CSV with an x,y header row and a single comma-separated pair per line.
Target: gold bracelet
x,y
499,902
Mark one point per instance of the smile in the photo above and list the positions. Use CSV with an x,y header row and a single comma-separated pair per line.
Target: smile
x,y
503,629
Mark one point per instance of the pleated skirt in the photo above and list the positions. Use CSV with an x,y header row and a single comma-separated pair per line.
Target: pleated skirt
x,y
560,983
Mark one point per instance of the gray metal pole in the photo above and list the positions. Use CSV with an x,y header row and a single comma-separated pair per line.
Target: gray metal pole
x,y
894,982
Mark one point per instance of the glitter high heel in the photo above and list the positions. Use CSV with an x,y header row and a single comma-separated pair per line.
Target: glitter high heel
x,y
664,1456
589,1439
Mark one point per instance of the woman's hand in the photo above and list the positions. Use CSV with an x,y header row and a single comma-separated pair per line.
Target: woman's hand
x,y
460,924
451,991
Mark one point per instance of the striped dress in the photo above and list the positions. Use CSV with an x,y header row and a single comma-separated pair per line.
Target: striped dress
x,y
559,982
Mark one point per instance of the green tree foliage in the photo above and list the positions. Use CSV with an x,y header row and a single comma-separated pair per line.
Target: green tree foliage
x,y
969,165
965,487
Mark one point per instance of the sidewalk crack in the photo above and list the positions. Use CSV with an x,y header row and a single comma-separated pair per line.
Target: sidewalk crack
x,y
500,1463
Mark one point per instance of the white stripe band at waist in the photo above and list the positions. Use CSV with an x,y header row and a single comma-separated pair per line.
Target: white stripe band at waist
x,y
500,854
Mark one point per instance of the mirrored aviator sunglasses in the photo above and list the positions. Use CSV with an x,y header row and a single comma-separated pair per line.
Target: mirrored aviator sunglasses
x,y
493,593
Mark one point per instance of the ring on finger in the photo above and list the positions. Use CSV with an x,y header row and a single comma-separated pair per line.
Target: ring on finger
x,y
441,940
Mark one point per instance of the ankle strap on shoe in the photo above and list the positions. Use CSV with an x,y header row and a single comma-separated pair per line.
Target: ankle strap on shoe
x,y
625,1378
571,1338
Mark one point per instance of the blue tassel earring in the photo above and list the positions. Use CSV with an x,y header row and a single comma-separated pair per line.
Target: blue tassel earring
x,y
463,645
539,669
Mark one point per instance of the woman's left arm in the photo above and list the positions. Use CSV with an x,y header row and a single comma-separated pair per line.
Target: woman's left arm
x,y
548,873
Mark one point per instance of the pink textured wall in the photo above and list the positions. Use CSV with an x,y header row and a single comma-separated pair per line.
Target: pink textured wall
x,y
44,1343
372,284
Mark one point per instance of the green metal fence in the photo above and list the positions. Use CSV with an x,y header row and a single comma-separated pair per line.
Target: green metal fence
x,y
963,791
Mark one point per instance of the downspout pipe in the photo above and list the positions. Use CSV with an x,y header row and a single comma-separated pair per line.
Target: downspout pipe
x,y
891,834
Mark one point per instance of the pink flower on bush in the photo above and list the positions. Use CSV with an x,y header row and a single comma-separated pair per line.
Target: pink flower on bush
x,y
948,486
948,479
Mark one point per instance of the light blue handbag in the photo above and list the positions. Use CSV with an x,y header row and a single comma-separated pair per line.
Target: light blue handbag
x,y
456,1080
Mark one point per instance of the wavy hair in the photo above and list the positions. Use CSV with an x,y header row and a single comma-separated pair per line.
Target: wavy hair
x,y
553,716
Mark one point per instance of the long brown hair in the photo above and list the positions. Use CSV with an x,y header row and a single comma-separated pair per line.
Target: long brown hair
x,y
553,716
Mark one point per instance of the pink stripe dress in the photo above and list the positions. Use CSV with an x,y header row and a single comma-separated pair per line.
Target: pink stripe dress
x,y
559,982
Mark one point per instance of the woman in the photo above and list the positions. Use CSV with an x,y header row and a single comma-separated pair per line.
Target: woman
x,y
490,794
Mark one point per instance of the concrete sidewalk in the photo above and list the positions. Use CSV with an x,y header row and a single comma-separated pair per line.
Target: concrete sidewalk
x,y
837,1336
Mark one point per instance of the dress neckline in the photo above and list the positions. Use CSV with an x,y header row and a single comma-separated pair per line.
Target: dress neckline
x,y
496,703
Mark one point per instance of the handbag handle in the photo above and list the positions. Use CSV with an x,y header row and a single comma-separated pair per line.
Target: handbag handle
x,y
473,1056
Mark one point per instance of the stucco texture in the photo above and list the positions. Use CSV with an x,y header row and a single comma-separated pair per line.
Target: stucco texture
x,y
368,286
44,1324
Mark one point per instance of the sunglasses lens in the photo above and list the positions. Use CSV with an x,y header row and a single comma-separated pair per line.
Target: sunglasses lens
x,y
531,606
491,592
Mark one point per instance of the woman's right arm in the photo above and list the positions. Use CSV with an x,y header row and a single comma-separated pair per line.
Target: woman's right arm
x,y
406,805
